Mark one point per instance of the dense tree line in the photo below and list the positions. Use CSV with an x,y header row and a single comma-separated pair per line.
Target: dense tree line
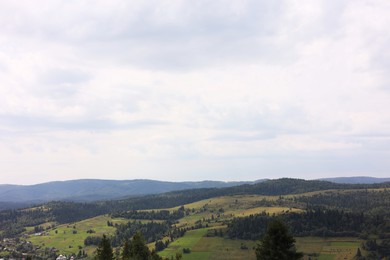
x,y
283,186
67,212
318,222
376,249
12,222
151,231
134,248
151,215
370,202
92,241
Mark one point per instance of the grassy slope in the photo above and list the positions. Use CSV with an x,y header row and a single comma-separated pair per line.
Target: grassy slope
x,y
329,248
62,236
202,247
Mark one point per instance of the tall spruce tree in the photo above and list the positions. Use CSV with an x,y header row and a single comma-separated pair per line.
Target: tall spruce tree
x,y
277,243
126,253
104,251
139,248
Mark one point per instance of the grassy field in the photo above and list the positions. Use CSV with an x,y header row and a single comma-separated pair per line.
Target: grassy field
x,y
227,207
203,247
328,248
69,238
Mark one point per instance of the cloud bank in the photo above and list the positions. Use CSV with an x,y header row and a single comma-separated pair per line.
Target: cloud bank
x,y
179,90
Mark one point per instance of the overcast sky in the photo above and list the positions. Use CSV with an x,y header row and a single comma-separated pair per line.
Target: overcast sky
x,y
193,90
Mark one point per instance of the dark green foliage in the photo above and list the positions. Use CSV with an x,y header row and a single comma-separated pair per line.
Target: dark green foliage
x,y
323,223
104,251
155,256
151,231
361,201
38,229
12,222
136,249
377,250
277,243
160,245
67,212
358,254
151,215
126,252
90,240
251,227
243,246
139,249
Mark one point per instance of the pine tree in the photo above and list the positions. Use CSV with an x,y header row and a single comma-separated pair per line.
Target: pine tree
x,y
277,244
139,249
358,254
104,251
126,253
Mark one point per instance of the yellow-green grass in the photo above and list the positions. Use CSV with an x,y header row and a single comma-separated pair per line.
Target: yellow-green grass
x,y
329,248
203,247
233,206
312,193
189,240
46,225
236,201
256,210
222,248
63,238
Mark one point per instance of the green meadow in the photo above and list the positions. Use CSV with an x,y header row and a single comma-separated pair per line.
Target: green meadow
x,y
203,247
328,248
69,238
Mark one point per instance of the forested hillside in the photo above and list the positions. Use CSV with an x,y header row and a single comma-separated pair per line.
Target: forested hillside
x,y
309,208
90,190
12,221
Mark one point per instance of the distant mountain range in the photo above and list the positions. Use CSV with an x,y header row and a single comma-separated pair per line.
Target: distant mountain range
x,y
357,180
93,190
88,190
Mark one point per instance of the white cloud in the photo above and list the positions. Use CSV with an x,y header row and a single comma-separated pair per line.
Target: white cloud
x,y
193,90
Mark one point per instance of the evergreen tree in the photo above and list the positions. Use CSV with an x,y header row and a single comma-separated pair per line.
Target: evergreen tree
x,y
126,253
139,249
104,251
358,255
277,243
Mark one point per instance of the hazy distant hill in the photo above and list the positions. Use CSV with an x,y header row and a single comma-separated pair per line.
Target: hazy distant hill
x,y
92,190
357,180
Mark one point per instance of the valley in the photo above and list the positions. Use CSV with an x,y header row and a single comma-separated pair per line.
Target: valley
x,y
214,223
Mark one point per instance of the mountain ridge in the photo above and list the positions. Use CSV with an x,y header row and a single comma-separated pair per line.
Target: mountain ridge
x,y
88,190
95,189
356,180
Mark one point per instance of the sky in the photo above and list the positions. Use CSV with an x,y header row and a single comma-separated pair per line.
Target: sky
x,y
194,90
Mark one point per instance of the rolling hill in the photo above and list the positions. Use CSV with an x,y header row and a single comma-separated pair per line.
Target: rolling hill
x,y
93,189
88,190
357,180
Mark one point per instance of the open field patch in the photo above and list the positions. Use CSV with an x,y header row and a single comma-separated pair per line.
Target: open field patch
x,y
69,238
328,248
203,247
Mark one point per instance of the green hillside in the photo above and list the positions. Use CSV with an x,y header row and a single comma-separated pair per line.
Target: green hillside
x,y
210,223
